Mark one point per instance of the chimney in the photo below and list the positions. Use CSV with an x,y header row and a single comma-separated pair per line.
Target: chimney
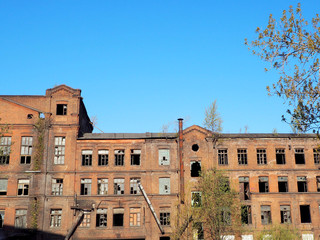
x,y
181,160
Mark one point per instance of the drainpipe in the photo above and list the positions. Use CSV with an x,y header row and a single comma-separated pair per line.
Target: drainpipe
x,y
181,160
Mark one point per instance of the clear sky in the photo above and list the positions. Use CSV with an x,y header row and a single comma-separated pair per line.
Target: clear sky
x,y
143,64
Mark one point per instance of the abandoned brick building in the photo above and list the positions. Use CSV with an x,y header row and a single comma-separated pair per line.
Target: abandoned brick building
x,y
59,180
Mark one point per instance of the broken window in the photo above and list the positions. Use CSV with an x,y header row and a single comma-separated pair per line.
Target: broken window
x,y
195,168
5,144
59,148
61,109
135,217
164,217
266,214
26,150
134,189
318,184
226,216
57,186
196,199
299,155
198,231
118,157
102,186
103,157
118,185
135,156
85,186
164,185
101,217
316,155
261,156
263,184
244,188
164,157
55,217
246,217
3,186
242,157
86,157
285,212
223,156
118,217
280,156
302,184
305,214
20,220
1,218
23,187
283,184
86,221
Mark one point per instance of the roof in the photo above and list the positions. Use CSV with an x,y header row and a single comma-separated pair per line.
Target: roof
x,y
265,135
94,136
20,104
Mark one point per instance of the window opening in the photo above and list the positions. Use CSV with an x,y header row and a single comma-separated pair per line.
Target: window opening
x,y
118,217
318,184
26,150
86,221
59,150
244,188
223,156
86,157
263,184
5,145
103,157
242,157
164,185
134,189
280,156
119,157
305,214
23,187
302,184
3,186
164,157
283,184
1,218
118,184
299,156
57,186
85,186
316,155
246,217
261,156
101,217
285,212
164,218
102,186
198,231
55,217
195,168
266,215
226,216
196,199
61,109
135,157
135,217
195,147
20,220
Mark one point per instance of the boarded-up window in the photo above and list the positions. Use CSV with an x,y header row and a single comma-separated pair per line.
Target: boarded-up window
x,y
308,236
135,217
164,157
86,221
164,185
20,220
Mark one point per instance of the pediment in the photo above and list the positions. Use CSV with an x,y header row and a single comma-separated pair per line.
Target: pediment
x,y
195,129
63,90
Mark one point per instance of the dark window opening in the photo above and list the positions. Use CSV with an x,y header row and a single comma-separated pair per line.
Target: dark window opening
x,y
164,238
1,218
223,156
29,116
103,157
118,219
305,214
261,156
244,188
61,109
165,218
119,157
302,184
195,199
285,214
280,156
242,157
198,231
195,147
101,218
246,214
85,187
25,159
263,184
283,184
299,156
316,155
195,169
86,157
318,184
135,156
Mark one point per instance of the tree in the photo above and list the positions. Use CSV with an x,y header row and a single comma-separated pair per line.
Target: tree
x,y
212,119
280,232
214,209
292,46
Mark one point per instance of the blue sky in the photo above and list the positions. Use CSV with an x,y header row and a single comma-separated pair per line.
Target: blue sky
x,y
143,64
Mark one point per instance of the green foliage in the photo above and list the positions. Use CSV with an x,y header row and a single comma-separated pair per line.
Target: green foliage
x,y
212,119
38,152
34,213
280,232
292,46
4,151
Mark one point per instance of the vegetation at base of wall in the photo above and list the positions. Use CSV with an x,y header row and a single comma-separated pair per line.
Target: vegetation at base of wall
x,y
34,213
280,232
38,148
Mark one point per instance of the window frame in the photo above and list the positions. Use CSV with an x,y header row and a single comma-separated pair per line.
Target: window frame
x,y
26,149
242,154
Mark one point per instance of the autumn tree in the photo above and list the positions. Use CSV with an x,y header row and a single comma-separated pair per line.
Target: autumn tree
x,y
212,119
292,46
280,232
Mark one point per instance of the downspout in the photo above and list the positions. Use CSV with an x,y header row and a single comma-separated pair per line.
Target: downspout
x,y
181,160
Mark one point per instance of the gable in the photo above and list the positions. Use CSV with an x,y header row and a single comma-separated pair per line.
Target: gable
x,y
197,130
63,90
